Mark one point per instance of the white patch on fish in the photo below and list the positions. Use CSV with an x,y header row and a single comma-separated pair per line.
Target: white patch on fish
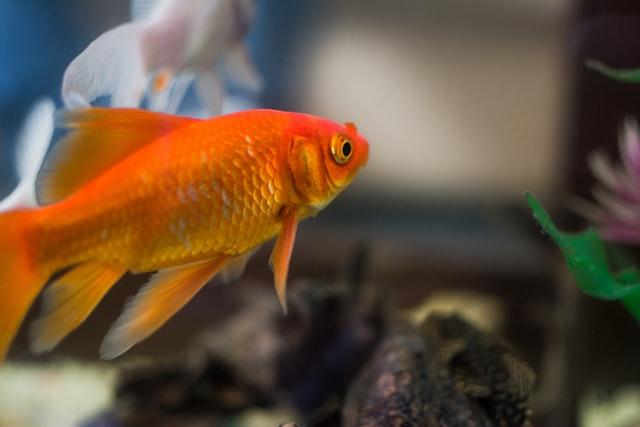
x,y
225,197
193,193
181,197
251,152
178,228
216,186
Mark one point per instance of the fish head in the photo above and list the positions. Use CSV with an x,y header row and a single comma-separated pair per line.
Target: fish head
x,y
345,152
324,159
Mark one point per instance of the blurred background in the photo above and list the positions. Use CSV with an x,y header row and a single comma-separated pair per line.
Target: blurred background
x,y
418,75
466,104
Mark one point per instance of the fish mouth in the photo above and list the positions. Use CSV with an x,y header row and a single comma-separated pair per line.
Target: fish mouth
x,y
365,155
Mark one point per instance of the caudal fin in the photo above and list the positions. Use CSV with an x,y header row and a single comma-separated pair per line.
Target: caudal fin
x,y
32,145
20,278
111,65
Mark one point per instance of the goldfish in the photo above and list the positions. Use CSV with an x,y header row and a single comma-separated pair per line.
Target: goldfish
x,y
33,142
130,190
168,45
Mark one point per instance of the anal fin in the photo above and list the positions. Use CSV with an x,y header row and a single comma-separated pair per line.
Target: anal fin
x,y
69,301
166,293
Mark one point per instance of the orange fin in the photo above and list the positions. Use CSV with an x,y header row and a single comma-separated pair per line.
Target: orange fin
x,y
70,300
281,254
167,292
99,138
20,277
235,267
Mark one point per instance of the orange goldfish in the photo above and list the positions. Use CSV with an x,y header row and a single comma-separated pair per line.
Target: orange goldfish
x,y
133,190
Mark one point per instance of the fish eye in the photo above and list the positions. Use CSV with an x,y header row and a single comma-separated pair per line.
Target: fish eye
x,y
341,148
346,148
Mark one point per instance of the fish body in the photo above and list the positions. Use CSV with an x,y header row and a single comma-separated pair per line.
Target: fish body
x,y
201,191
130,190
179,41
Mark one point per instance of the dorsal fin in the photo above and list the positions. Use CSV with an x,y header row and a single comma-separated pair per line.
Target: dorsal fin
x,y
99,138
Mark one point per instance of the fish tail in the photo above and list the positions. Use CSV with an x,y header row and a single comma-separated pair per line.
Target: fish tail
x,y
32,145
112,65
21,278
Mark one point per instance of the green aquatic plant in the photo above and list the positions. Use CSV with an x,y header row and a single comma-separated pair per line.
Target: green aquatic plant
x,y
590,262
626,75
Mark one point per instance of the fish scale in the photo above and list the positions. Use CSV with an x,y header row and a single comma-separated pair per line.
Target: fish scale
x,y
178,229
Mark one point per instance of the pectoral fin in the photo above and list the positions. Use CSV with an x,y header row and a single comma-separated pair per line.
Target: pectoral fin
x,y
166,293
169,100
281,254
69,301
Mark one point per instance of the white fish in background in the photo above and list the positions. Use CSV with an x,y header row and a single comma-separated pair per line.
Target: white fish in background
x,y
168,45
32,144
